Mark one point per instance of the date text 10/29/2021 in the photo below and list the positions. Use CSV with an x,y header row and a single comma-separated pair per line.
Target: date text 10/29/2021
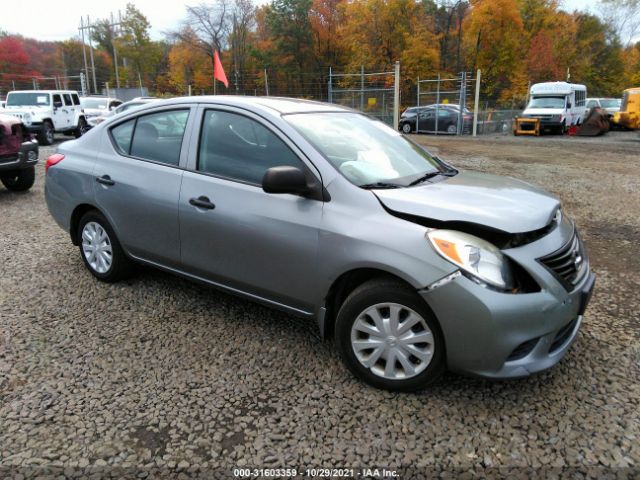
x,y
365,473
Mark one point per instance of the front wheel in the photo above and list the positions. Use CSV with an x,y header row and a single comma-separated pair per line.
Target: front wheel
x,y
45,137
100,249
19,180
388,337
406,128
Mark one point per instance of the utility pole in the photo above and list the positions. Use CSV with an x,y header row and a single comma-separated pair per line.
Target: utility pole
x,y
266,82
115,53
93,65
84,47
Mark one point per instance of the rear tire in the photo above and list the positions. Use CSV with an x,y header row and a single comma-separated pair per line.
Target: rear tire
x,y
19,180
45,137
452,129
81,129
368,338
100,249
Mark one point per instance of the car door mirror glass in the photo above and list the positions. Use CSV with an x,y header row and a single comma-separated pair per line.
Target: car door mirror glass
x,y
284,179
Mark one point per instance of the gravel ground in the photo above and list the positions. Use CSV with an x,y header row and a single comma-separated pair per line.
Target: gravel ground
x,y
159,377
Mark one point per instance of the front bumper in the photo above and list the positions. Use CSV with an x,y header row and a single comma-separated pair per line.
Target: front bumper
x,y
499,335
25,158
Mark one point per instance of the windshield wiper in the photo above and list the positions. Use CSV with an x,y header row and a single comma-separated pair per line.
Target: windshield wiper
x,y
428,175
369,186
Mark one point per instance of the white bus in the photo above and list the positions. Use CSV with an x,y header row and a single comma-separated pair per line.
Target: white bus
x,y
558,105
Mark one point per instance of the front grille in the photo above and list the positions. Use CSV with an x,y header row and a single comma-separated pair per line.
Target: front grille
x,y
567,263
562,336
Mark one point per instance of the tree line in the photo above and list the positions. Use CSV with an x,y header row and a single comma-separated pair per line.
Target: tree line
x,y
289,45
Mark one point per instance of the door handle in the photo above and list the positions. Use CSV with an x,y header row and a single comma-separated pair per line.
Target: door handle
x,y
202,202
105,180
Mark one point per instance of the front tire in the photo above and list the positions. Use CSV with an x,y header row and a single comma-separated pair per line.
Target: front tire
x,y
100,249
20,180
45,137
388,337
406,128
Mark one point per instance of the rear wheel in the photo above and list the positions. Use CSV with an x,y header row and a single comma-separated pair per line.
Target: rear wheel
x,y
81,129
100,249
452,129
388,337
19,180
45,137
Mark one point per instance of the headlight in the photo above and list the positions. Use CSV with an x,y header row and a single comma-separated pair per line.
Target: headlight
x,y
26,119
475,256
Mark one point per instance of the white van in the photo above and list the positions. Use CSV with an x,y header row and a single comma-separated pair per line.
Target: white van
x,y
558,105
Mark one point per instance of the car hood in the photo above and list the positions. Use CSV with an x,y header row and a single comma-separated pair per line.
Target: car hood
x,y
94,112
501,203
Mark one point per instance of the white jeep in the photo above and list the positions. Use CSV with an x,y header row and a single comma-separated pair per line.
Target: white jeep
x,y
44,112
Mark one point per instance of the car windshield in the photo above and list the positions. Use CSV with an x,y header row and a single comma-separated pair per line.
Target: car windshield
x,y
100,103
30,99
547,102
609,103
366,151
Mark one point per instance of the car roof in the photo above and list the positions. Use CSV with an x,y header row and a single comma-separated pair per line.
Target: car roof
x,y
281,105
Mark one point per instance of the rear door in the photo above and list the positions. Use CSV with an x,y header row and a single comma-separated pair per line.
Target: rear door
x,y
261,244
138,176
59,116
69,110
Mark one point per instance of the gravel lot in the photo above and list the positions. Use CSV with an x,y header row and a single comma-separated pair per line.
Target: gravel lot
x,y
161,377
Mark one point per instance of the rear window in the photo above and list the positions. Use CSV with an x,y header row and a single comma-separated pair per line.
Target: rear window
x,y
67,99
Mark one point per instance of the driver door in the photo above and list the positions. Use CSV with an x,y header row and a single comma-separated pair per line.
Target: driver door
x,y
261,244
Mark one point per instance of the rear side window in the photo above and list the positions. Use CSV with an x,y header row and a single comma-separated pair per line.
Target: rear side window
x,y
156,137
76,99
67,99
122,135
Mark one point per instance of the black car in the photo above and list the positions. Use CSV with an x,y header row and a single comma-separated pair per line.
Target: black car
x,y
425,120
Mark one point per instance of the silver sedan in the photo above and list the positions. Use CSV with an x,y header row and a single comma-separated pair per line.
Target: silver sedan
x,y
410,265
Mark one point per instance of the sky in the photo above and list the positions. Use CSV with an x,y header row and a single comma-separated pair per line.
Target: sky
x,y
44,21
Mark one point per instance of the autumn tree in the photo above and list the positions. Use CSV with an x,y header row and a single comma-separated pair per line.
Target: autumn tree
x,y
188,65
493,41
599,64
623,17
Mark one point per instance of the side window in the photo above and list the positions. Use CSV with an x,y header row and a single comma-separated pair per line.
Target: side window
x,y
57,100
591,104
239,148
76,99
67,99
158,136
122,135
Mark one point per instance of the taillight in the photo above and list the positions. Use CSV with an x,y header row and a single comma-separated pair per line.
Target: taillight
x,y
53,160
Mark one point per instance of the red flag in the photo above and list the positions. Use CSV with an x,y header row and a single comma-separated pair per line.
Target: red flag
x,y
218,71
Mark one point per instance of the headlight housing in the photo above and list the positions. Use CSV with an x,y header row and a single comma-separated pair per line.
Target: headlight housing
x,y
477,257
26,119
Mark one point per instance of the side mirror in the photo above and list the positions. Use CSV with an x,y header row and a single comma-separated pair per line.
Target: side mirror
x,y
284,179
569,105
57,104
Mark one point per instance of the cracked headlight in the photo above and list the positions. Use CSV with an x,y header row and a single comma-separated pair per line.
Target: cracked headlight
x,y
478,258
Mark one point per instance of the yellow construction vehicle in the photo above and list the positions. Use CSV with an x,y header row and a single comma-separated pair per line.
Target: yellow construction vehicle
x,y
629,114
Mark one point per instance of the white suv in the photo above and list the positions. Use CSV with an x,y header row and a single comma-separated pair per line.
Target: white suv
x,y
47,111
